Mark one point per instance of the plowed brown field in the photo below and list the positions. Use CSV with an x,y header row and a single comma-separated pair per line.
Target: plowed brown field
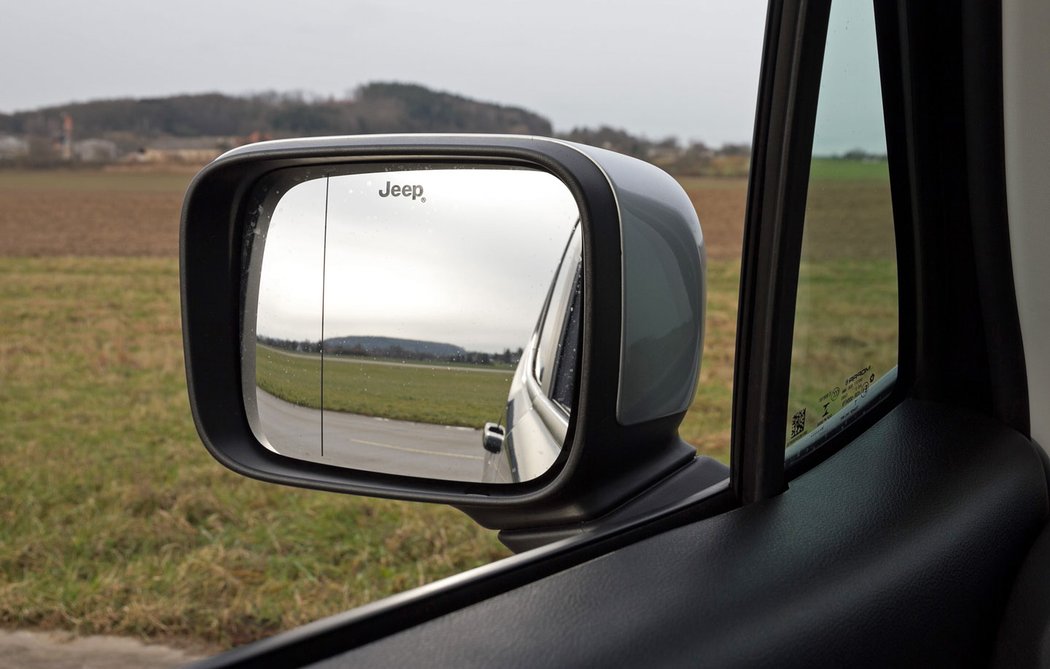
x,y
90,213
72,213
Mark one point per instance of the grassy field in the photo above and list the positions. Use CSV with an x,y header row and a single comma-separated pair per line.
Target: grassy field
x,y
442,395
846,314
837,169
114,519
294,377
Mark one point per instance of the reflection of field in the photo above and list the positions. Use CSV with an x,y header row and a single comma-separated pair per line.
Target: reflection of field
x,y
293,377
422,393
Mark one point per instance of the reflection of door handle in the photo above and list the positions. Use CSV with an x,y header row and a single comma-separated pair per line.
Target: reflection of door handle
x,y
492,437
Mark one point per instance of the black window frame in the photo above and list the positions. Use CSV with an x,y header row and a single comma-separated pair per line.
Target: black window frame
x,y
884,387
948,195
776,203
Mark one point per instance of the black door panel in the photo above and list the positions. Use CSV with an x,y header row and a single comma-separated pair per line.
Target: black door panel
x,y
899,549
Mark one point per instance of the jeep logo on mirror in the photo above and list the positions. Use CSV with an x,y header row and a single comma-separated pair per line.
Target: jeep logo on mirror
x,y
398,340
415,191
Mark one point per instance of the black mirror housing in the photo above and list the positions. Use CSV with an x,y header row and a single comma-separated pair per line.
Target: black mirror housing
x,y
641,330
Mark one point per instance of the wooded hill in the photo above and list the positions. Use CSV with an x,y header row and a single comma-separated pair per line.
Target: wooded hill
x,y
214,122
374,108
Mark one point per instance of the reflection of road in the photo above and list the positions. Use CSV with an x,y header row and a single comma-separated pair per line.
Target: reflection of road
x,y
373,444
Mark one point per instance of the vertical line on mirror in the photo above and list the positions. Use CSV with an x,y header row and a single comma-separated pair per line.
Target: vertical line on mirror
x,y
324,275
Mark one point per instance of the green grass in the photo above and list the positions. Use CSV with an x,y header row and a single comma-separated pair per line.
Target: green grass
x,y
846,320
293,377
849,170
706,425
846,314
114,519
439,394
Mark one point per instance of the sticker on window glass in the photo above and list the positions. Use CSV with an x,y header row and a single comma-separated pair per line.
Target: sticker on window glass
x,y
840,398
828,404
798,424
857,385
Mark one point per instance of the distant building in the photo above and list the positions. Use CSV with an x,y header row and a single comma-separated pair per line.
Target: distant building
x,y
13,147
95,151
181,150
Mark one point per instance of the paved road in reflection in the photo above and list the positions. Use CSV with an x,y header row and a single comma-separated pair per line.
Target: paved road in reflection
x,y
373,444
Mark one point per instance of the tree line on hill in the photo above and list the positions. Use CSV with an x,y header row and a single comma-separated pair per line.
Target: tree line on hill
x,y
381,107
374,108
389,348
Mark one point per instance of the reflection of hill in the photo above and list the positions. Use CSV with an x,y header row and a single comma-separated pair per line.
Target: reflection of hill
x,y
394,348
391,347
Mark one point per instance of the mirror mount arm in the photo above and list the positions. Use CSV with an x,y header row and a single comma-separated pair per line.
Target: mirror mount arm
x,y
693,487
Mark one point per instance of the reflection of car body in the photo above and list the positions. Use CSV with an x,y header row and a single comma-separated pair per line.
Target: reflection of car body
x,y
540,398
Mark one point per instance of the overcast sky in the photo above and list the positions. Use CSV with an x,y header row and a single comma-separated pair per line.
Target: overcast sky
x,y
687,68
849,111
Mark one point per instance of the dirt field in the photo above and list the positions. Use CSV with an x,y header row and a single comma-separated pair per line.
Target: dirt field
x,y
720,205
137,213
90,214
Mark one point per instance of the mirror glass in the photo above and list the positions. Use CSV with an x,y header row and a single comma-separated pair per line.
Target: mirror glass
x,y
393,314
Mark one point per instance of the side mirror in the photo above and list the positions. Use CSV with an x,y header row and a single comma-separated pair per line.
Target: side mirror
x,y
492,438
359,313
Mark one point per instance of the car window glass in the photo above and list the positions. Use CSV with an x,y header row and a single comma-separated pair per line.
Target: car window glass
x,y
565,372
554,317
845,336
